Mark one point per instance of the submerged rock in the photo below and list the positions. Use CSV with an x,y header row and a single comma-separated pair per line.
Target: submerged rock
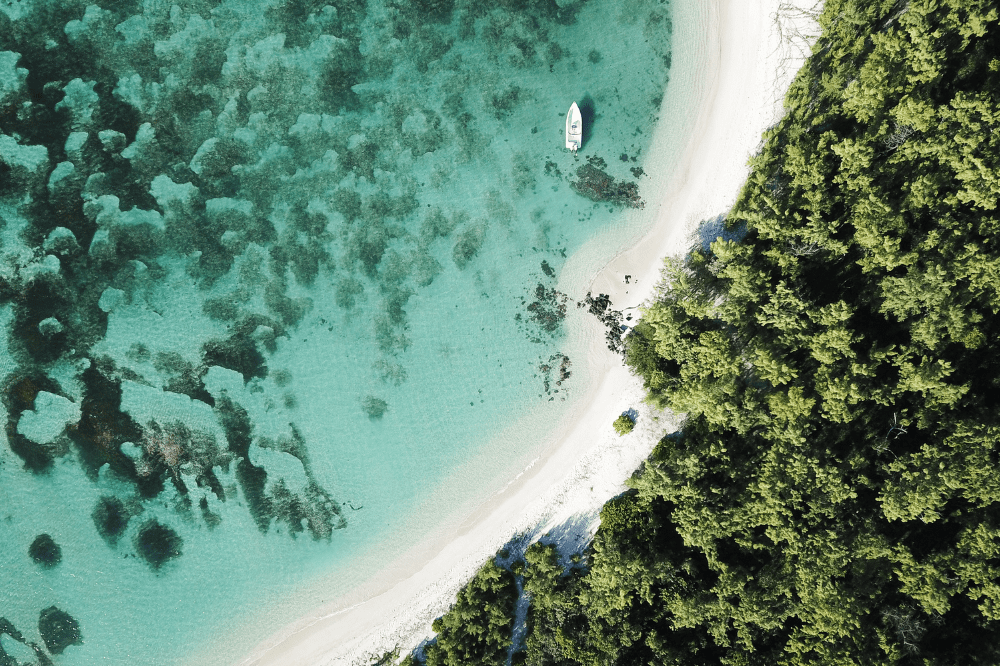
x,y
45,551
59,630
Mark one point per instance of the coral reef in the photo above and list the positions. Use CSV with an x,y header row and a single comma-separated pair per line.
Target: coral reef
x,y
554,370
157,544
597,185
111,517
548,309
58,629
45,551
29,650
374,407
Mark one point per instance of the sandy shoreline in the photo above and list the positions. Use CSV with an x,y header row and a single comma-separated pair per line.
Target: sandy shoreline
x,y
734,75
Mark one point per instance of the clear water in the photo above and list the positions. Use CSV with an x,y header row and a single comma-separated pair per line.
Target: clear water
x,y
316,280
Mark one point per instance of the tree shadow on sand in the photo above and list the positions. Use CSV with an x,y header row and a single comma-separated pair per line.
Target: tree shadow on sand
x,y
712,229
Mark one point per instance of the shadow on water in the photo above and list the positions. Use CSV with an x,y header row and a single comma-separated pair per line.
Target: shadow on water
x,y
588,113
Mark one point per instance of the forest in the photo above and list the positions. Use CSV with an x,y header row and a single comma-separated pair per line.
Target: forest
x,y
832,496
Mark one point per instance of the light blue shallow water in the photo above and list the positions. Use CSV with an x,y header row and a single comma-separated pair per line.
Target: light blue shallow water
x,y
272,272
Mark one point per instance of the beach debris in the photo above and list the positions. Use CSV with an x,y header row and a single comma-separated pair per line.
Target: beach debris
x,y
597,185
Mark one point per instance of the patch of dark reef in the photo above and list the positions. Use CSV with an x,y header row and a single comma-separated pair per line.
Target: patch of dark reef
x,y
45,297
315,506
157,543
166,449
45,551
58,629
111,517
183,377
470,240
601,308
548,309
374,407
239,353
8,628
554,371
252,479
18,394
104,427
211,518
597,185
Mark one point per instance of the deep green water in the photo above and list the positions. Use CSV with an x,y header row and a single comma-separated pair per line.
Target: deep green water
x,y
272,273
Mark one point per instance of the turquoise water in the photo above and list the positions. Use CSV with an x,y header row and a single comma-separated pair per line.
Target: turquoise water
x,y
273,275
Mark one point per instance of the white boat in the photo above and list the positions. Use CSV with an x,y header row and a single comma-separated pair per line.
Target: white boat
x,y
574,128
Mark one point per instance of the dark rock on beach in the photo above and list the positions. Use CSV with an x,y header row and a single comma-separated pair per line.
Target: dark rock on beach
x,y
601,308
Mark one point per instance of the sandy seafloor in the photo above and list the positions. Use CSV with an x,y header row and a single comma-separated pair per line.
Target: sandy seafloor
x,y
309,365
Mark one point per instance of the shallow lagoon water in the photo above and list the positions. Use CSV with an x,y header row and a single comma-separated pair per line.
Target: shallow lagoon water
x,y
273,275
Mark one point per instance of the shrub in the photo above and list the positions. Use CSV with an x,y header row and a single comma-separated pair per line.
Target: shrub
x,y
624,425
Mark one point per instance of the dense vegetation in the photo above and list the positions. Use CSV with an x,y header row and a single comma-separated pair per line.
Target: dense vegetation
x,y
833,495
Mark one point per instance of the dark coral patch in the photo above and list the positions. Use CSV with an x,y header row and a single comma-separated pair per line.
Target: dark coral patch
x,y
59,629
110,518
597,185
45,551
156,543
18,394
238,353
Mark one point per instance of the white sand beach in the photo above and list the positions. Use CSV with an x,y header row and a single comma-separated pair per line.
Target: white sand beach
x,y
733,71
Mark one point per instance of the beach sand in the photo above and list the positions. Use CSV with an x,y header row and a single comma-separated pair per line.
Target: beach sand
x,y
733,71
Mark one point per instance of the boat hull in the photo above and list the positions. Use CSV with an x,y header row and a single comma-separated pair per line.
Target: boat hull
x,y
574,128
